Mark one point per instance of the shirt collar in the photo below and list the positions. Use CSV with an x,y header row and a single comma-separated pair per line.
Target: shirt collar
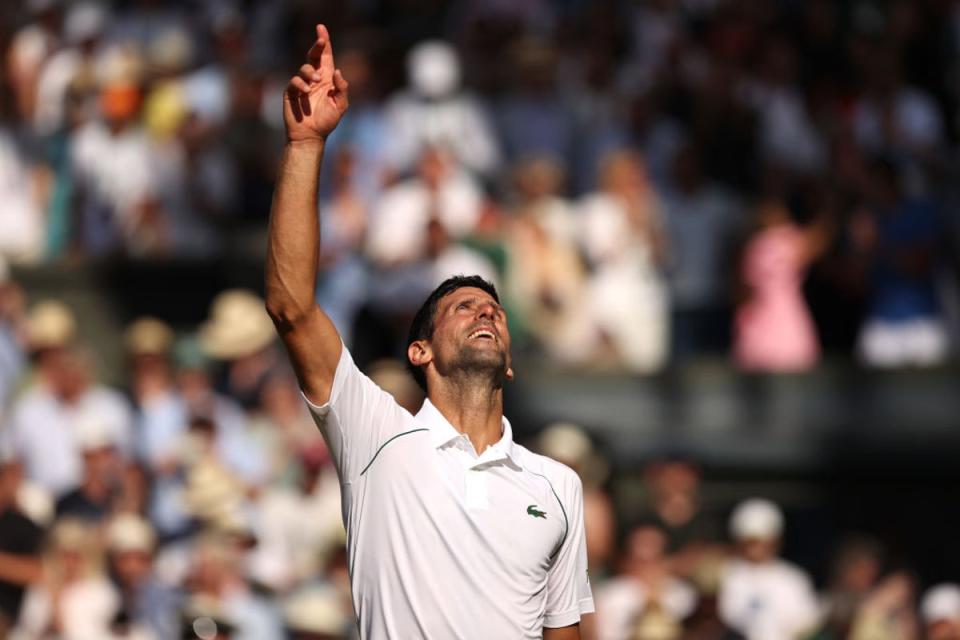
x,y
442,433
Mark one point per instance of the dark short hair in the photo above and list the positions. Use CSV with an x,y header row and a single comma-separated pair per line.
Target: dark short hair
x,y
423,323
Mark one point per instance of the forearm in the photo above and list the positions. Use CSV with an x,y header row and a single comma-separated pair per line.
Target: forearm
x,y
19,569
294,240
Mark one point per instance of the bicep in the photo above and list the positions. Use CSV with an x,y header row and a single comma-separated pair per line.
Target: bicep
x,y
314,347
571,632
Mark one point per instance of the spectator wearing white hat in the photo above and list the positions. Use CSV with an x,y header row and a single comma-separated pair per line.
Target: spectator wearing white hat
x,y
435,111
762,596
73,600
44,418
940,611
100,480
147,603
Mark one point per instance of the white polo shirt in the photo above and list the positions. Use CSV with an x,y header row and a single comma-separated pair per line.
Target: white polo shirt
x,y
444,543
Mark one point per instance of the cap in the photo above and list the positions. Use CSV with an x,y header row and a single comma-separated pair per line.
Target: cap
x,y
941,602
148,336
434,68
130,532
91,432
50,324
756,519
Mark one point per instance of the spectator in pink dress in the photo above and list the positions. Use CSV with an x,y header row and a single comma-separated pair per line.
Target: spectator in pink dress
x,y
774,331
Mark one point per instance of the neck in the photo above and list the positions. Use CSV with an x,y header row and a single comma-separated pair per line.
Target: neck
x,y
473,408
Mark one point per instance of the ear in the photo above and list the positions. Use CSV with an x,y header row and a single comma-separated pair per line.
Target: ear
x,y
419,353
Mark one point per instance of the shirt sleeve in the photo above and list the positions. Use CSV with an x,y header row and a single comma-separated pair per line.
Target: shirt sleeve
x,y
568,584
357,419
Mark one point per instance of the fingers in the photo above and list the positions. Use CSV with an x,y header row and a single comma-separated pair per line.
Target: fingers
x,y
339,82
340,95
326,65
293,99
298,85
309,73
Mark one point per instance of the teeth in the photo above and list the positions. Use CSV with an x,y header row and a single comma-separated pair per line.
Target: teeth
x,y
481,332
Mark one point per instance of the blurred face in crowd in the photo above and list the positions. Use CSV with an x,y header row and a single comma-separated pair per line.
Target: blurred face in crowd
x,y
759,550
646,545
674,487
434,167
131,567
67,371
100,466
470,336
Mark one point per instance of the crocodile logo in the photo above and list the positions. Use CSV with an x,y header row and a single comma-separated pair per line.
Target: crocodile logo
x,y
536,513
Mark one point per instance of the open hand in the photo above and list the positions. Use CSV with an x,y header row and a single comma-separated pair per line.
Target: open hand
x,y
316,97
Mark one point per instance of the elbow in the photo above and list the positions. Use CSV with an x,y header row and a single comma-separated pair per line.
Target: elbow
x,y
285,313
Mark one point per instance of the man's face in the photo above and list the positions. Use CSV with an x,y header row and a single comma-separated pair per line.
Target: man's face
x,y
470,334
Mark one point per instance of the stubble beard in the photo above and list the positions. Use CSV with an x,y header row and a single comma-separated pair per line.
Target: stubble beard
x,y
481,366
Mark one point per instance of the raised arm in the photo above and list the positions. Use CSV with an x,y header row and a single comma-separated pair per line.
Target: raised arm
x,y
313,104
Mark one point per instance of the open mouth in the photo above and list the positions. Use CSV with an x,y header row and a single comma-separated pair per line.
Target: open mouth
x,y
482,334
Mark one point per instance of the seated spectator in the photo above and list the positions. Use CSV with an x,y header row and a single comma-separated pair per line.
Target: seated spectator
x,y
316,613
761,596
856,571
774,331
146,602
44,417
644,599
98,494
73,600
13,335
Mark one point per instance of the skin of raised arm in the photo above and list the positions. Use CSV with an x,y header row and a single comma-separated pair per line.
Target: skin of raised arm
x,y
562,633
313,103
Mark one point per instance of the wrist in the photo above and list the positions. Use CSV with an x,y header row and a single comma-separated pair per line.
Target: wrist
x,y
307,143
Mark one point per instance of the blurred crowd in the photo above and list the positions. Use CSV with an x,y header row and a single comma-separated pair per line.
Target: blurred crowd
x,y
645,182
201,502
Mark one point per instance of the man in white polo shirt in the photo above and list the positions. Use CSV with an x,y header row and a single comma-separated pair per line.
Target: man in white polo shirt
x,y
453,530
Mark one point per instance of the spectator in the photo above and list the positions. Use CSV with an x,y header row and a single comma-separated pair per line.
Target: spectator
x,y
145,601
940,609
545,275
702,220
904,325
774,331
20,540
762,596
62,395
623,238
13,335
644,600
434,112
73,600
533,118
97,496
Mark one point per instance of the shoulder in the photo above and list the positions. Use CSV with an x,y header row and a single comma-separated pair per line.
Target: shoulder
x,y
562,478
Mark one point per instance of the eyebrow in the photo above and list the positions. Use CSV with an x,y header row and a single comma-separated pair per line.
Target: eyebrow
x,y
474,300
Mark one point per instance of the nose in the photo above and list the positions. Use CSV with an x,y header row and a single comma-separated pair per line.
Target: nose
x,y
487,310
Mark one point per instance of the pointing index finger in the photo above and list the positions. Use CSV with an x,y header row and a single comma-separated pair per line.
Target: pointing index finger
x,y
326,65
